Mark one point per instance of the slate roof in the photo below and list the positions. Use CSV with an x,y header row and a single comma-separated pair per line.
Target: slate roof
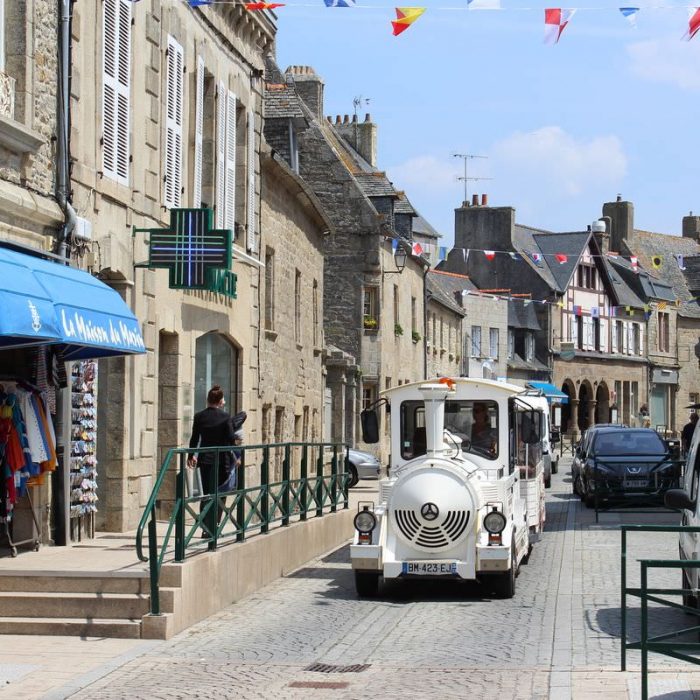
x,y
645,245
571,244
403,206
443,285
522,315
517,362
692,274
623,279
376,184
424,228
281,102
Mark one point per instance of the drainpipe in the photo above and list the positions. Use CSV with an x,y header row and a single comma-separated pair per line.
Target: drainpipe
x,y
63,129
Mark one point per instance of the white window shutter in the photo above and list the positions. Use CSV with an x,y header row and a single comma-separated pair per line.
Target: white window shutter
x,y
221,97
116,89
173,125
603,335
198,134
640,349
626,344
250,242
230,203
574,330
613,328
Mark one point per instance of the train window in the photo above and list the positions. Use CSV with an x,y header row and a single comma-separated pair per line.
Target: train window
x,y
474,422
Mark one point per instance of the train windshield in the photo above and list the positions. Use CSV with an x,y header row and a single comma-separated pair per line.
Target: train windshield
x,y
474,422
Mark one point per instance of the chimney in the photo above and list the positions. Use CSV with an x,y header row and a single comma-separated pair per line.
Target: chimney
x,y
362,136
691,227
309,87
484,227
600,231
475,200
622,222
484,200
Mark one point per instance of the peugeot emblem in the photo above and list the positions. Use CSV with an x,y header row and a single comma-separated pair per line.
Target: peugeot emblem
x,y
634,470
429,511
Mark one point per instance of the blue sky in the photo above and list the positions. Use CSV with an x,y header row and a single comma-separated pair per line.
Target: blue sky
x,y
608,110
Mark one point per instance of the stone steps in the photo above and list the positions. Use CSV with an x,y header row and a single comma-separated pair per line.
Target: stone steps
x,y
73,605
72,626
62,582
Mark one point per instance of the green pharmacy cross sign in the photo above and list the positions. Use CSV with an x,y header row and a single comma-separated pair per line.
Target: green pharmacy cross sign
x,y
196,255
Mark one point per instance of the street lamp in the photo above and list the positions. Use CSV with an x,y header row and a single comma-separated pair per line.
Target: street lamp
x,y
399,261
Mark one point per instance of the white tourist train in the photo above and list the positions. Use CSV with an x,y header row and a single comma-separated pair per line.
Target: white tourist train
x,y
464,498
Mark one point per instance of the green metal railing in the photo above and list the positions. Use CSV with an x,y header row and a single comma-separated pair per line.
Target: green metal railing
x,y
311,483
659,643
620,497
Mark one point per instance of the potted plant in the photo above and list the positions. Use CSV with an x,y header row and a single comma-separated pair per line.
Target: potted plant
x,y
370,323
415,336
398,330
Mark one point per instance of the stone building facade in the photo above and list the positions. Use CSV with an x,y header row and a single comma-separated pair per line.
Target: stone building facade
x,y
166,114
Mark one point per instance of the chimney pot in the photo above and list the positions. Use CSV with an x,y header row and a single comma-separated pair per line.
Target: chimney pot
x,y
329,119
484,200
475,200
354,118
337,119
368,118
619,197
346,119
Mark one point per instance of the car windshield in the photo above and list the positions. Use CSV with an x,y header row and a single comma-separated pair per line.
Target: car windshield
x,y
628,442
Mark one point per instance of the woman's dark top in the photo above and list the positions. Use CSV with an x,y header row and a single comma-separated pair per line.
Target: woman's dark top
x,y
212,428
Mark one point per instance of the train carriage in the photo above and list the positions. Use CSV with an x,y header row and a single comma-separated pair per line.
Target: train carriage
x,y
453,504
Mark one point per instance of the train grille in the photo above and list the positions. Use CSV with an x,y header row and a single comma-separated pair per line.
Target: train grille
x,y
432,536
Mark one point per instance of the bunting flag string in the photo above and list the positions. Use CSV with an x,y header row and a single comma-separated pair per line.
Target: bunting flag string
x,y
556,19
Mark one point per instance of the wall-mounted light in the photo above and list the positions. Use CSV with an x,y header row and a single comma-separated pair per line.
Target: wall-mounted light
x,y
399,261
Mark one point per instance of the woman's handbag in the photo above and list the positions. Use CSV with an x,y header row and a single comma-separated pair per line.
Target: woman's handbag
x,y
193,482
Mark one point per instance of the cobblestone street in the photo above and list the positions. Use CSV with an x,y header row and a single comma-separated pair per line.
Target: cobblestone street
x,y
558,638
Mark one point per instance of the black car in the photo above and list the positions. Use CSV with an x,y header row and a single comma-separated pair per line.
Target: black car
x,y
582,449
625,463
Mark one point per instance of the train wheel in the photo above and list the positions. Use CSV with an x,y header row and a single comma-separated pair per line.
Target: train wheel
x,y
366,584
505,583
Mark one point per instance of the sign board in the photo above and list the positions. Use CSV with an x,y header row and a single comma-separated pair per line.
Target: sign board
x,y
196,255
567,351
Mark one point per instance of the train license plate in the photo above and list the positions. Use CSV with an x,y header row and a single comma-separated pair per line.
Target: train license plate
x,y
429,567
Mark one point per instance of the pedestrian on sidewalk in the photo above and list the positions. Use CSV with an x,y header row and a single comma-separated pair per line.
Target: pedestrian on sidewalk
x,y
212,427
687,434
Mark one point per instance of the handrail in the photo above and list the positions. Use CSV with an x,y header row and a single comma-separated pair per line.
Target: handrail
x,y
253,507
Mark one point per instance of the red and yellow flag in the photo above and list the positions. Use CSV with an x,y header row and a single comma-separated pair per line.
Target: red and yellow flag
x,y
405,17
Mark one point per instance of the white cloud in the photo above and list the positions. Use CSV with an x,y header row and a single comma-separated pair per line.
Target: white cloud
x,y
552,159
666,61
424,173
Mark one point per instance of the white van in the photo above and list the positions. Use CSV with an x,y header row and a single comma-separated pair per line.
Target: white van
x,y
686,500
540,403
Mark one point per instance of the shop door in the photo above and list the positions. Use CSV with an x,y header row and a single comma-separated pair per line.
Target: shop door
x,y
658,407
216,362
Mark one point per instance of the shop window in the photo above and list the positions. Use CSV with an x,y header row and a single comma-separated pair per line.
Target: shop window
x,y
216,362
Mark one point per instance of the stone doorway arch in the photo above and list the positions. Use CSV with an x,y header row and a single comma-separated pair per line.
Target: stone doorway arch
x,y
586,402
568,409
602,403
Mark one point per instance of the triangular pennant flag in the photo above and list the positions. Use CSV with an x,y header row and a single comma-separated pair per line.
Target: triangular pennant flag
x,y
560,304
339,3
680,261
536,257
595,312
490,254
515,256
629,310
555,21
656,261
661,306
442,252
394,245
560,258
405,17
484,4
577,310
416,248
252,6
197,3
630,14
693,23
634,263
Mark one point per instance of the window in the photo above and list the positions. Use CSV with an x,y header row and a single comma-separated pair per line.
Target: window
x,y
579,275
316,315
636,347
293,148
269,290
511,345
225,158
297,307
370,307
663,341
252,201
396,305
434,330
216,361
305,425
369,395
172,166
116,89
493,343
198,134
476,341
529,347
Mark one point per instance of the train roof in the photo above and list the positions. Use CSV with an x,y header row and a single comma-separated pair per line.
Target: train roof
x,y
503,388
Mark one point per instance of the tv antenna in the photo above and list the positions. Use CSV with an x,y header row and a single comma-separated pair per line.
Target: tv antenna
x,y
357,103
466,157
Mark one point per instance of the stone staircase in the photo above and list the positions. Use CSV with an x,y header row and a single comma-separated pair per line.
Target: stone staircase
x,y
74,603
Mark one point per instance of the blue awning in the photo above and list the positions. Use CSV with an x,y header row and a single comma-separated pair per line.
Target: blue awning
x,y
550,391
43,302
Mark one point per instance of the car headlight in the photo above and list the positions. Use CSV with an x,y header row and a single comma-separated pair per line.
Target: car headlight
x,y
365,521
495,522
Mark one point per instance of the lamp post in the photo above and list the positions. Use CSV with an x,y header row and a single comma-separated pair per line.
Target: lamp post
x,y
399,261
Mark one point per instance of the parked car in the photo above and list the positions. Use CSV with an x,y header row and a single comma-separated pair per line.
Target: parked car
x,y
687,501
620,463
363,465
580,454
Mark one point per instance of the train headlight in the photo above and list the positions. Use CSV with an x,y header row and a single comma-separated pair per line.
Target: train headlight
x,y
365,522
495,522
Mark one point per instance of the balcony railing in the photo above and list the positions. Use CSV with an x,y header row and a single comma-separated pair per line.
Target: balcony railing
x,y
7,96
